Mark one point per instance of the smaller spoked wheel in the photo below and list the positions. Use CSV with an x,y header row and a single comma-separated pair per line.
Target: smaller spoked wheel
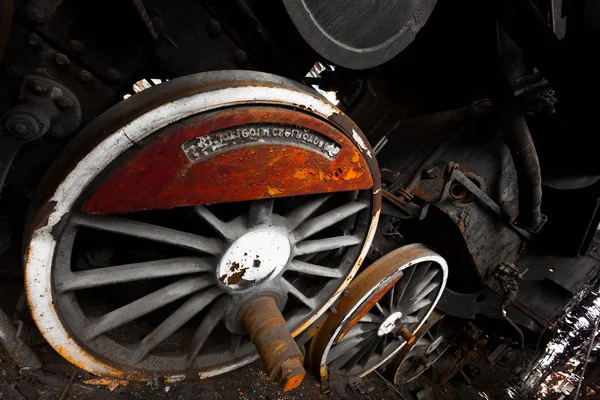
x,y
380,312
430,347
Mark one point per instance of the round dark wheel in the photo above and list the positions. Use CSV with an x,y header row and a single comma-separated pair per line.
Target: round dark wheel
x,y
183,204
380,313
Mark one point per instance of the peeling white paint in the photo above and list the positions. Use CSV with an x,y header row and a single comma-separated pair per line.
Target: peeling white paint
x,y
358,139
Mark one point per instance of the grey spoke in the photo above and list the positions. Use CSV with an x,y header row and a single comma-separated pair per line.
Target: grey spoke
x,y
359,329
261,212
420,271
146,305
305,210
380,309
212,318
368,351
175,321
352,356
346,345
425,281
219,226
313,269
132,272
148,231
420,295
234,344
417,306
371,318
402,285
291,289
314,246
390,294
327,219
382,344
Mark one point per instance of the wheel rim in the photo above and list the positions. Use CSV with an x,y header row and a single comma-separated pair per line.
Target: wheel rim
x,y
398,291
202,281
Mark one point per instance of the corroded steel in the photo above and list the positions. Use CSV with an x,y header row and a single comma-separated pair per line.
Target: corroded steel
x,y
278,350
288,158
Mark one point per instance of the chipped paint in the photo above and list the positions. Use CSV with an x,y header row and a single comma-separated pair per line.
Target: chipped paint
x,y
358,139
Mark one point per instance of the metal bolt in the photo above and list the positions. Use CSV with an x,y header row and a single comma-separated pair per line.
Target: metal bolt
x,y
157,22
19,127
37,86
77,46
240,57
63,103
85,76
214,27
406,335
34,40
57,132
62,60
113,75
34,13
22,125
14,70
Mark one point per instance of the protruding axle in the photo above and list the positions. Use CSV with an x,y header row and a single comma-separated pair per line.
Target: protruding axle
x,y
278,351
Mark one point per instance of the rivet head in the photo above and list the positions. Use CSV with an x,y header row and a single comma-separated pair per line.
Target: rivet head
x,y
63,102
86,76
62,60
37,86
34,40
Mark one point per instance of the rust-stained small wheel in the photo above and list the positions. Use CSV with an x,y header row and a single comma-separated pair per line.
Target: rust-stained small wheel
x,y
167,223
380,313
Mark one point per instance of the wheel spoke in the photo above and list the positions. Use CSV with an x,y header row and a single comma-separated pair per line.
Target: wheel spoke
x,y
261,212
146,305
346,345
417,306
368,352
390,294
305,210
420,271
421,295
425,281
402,286
371,318
409,319
313,269
132,272
148,231
175,321
350,358
291,289
212,318
327,219
359,329
382,344
314,246
219,226
380,309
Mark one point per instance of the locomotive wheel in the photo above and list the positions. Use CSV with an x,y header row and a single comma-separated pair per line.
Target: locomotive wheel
x,y
174,211
422,355
379,313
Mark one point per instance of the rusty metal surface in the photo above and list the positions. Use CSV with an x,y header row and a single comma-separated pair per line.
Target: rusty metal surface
x,y
277,349
161,176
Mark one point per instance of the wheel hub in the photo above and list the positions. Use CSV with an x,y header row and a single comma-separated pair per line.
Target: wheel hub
x,y
253,257
390,324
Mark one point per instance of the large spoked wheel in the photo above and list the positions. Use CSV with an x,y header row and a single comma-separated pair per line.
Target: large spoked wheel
x,y
180,206
383,309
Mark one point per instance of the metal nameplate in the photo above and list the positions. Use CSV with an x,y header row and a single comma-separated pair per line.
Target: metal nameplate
x,y
205,146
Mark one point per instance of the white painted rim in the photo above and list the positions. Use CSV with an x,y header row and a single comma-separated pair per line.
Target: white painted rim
x,y
42,246
435,258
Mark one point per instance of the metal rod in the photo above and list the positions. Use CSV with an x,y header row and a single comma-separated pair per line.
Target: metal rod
x,y
587,357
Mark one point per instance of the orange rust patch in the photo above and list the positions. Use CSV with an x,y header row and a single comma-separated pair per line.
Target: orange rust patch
x,y
160,176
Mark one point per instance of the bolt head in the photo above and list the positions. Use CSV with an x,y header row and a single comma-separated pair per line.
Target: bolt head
x,y
77,46
34,40
22,126
241,57
63,102
37,86
214,27
157,22
113,75
85,76
62,60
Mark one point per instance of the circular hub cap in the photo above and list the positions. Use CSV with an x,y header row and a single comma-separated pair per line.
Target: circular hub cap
x,y
389,324
253,257
182,204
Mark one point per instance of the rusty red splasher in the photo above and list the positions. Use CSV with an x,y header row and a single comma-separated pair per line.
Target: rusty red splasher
x,y
161,174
